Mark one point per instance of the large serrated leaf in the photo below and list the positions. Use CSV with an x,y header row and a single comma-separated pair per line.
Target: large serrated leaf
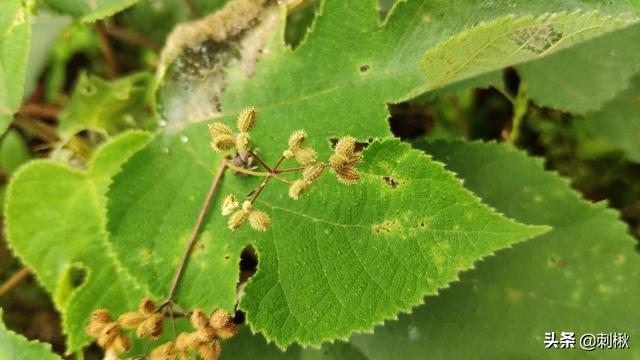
x,y
509,41
618,122
581,277
583,78
14,346
342,259
58,231
336,82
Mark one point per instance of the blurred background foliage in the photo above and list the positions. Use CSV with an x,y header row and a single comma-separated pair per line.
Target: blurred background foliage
x,y
86,81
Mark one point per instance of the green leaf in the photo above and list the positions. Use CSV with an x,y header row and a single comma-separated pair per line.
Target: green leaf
x,y
618,122
156,19
107,106
59,232
582,276
14,346
337,82
15,35
13,152
342,259
90,10
559,81
508,41
253,346
46,30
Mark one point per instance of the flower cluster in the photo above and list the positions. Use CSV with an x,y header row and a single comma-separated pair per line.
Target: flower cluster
x,y
147,322
204,340
343,161
258,220
296,150
223,138
107,331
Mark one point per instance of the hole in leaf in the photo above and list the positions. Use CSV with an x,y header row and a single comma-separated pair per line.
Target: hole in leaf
x,y
409,121
393,183
248,263
299,21
385,6
73,277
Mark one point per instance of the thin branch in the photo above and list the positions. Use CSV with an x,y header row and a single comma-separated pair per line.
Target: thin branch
x,y
107,50
192,8
14,280
247,171
41,111
131,37
41,129
196,229
301,168
258,159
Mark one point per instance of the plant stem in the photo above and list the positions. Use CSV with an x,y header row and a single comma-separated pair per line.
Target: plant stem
x,y
520,108
289,170
132,37
192,8
106,49
258,159
14,280
196,229
247,171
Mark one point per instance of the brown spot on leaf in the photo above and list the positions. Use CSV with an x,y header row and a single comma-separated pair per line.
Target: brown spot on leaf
x,y
393,183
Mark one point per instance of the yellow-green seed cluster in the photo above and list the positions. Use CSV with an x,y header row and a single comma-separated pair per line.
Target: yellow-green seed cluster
x,y
223,138
259,220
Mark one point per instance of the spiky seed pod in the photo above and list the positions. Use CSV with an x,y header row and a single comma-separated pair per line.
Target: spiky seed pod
x,y
347,175
220,319
247,206
219,129
223,143
223,323
122,343
186,341
152,327
209,351
259,220
199,319
227,332
166,351
345,146
237,219
130,320
296,140
305,156
246,119
147,306
229,205
108,336
101,316
313,172
298,188
288,154
243,142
